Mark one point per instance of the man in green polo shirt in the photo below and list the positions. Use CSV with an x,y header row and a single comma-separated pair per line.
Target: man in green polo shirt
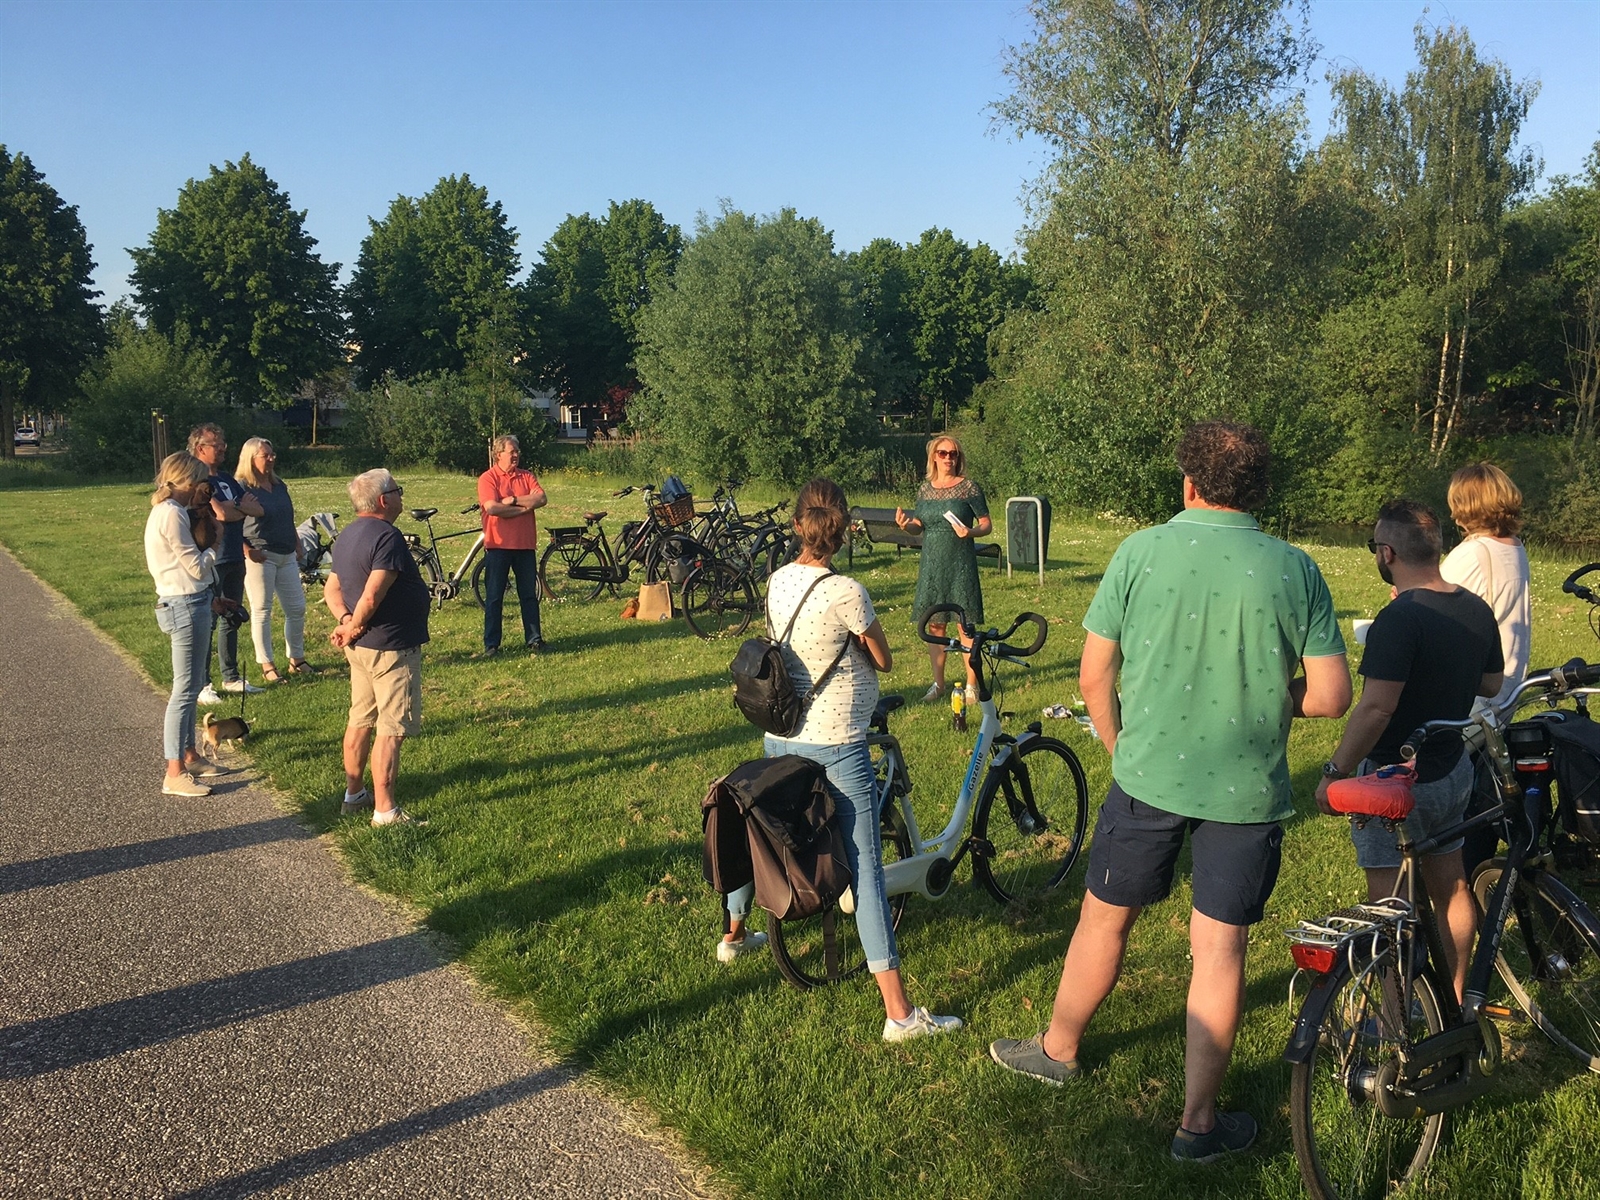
x,y
1208,621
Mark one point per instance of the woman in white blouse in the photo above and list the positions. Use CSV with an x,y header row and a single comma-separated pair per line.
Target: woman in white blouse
x,y
1491,561
834,624
179,550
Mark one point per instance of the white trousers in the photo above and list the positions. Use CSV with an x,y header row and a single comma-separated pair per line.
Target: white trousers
x,y
278,576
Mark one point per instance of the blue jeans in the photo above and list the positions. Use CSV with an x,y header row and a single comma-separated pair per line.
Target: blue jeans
x,y
855,799
498,566
187,621
230,582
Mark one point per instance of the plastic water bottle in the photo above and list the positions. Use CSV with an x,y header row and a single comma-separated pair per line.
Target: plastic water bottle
x,y
958,709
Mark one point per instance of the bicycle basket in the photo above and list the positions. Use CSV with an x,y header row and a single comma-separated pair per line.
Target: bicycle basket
x,y
676,512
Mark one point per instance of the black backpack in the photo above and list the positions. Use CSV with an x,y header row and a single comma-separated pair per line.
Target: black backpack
x,y
762,689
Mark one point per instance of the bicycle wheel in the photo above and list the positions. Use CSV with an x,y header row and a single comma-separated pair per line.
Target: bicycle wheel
x,y
718,600
816,951
428,563
1347,1149
556,566
1549,959
1030,821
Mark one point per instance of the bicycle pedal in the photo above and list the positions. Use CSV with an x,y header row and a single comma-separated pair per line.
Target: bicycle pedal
x,y
1503,1012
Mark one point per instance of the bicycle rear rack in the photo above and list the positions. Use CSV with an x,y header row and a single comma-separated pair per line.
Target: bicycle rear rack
x,y
1358,934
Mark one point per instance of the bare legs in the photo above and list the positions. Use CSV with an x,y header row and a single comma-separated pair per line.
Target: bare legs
x,y
1446,879
385,752
1216,996
937,654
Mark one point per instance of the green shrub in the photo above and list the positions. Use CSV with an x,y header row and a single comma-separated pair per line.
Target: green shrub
x,y
439,420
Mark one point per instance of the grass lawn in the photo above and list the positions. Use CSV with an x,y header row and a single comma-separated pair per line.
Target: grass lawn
x,y
563,859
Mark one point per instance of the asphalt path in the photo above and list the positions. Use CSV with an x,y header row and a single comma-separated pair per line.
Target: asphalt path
x,y
194,1001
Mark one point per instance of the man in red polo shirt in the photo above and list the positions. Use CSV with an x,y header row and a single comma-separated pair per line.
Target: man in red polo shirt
x,y
508,496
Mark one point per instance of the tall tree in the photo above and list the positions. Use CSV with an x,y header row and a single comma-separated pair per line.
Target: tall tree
x,y
50,325
753,358
933,306
585,295
1440,158
432,285
1579,271
1171,255
234,265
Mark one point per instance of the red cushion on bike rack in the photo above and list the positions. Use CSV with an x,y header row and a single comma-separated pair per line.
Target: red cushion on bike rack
x,y
1386,794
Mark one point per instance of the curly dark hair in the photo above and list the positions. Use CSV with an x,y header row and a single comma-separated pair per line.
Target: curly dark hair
x,y
1228,462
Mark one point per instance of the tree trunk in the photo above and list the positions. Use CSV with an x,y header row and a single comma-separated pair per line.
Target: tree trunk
x,y
1461,371
1439,390
7,418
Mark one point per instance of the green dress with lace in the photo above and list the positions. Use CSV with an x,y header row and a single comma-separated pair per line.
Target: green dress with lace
x,y
948,572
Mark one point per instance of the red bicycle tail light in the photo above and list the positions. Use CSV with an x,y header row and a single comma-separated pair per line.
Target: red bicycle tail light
x,y
1313,958
1532,765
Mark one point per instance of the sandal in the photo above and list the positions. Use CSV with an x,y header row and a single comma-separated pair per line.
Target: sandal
x,y
301,667
269,672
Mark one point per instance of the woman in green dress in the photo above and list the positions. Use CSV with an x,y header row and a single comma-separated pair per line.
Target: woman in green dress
x,y
950,513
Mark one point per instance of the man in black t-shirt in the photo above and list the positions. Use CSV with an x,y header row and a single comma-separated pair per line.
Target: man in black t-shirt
x,y
377,596
1430,652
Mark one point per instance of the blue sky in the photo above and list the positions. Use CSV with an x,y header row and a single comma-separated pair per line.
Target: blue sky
x,y
869,116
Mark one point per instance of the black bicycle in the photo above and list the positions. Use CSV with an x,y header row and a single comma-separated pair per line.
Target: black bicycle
x,y
580,562
443,585
1381,1051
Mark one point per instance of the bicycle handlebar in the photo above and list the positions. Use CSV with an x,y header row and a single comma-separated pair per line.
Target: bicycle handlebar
x,y
1573,588
1571,676
987,636
471,508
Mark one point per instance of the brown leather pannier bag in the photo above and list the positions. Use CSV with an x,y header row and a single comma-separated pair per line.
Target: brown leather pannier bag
x,y
793,848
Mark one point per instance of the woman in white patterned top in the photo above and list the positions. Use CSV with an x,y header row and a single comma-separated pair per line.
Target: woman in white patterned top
x,y
1492,563
834,622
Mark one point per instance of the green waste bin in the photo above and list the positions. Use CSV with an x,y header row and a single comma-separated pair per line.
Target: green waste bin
x,y
1027,533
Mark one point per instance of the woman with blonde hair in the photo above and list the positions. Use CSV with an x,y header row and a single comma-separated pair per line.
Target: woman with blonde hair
x,y
836,641
950,512
1491,561
272,561
180,538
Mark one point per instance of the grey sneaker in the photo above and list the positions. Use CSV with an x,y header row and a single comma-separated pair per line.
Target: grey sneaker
x,y
202,767
354,804
396,816
208,695
1028,1058
919,1024
1233,1132
751,941
184,785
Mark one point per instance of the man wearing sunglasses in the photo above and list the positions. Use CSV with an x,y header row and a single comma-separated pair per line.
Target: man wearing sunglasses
x,y
377,596
1432,650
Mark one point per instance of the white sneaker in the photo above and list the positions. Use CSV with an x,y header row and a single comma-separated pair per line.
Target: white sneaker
x,y
751,942
208,695
919,1024
183,785
234,686
933,693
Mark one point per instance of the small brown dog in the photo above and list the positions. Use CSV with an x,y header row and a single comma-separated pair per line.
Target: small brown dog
x,y
212,731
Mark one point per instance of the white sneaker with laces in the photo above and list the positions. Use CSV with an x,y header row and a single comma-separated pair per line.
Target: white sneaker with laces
x,y
751,941
234,686
933,693
208,695
920,1023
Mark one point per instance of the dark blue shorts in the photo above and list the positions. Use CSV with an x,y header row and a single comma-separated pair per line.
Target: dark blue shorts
x,y
1135,850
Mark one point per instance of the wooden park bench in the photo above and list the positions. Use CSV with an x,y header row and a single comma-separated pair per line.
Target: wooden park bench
x,y
876,525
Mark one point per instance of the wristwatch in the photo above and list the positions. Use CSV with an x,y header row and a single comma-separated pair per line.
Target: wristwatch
x,y
1332,770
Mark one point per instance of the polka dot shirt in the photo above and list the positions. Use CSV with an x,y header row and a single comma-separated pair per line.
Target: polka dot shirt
x,y
837,609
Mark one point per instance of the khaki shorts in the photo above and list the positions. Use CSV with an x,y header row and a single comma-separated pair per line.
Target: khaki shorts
x,y
385,690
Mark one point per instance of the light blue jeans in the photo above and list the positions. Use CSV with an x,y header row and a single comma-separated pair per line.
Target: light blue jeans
x,y
855,799
187,621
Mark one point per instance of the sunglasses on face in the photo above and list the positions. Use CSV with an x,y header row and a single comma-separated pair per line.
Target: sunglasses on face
x,y
947,453
394,491
1372,545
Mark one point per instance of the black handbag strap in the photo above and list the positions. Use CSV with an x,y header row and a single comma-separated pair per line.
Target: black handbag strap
x,y
788,631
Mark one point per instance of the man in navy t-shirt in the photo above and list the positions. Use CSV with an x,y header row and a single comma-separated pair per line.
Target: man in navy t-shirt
x,y
377,596
1431,651
231,504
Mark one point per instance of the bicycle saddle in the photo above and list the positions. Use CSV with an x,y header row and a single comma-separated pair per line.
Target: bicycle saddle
x,y
1385,794
595,517
422,514
887,705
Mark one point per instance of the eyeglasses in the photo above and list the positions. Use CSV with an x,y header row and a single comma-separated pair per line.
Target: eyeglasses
x,y
1372,545
947,454
394,491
